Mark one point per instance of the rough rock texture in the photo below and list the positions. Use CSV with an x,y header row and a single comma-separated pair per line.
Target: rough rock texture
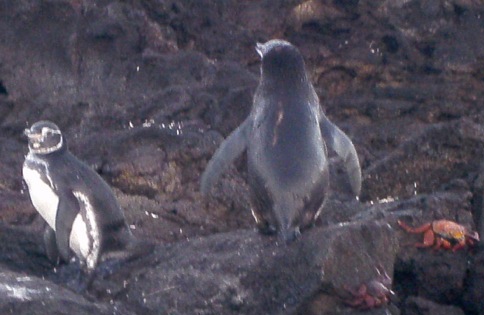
x,y
146,90
23,294
245,273
240,272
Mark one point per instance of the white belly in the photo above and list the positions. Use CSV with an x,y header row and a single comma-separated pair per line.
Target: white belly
x,y
43,198
46,202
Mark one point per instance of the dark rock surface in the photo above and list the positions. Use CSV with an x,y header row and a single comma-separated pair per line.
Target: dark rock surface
x,y
23,294
417,305
244,272
146,90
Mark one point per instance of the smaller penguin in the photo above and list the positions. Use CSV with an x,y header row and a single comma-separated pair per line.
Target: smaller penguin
x,y
286,137
82,214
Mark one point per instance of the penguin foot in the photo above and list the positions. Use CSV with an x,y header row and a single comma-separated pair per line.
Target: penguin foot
x,y
81,282
289,235
79,286
76,277
109,267
266,229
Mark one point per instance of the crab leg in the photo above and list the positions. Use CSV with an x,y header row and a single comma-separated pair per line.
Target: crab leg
x,y
415,230
429,240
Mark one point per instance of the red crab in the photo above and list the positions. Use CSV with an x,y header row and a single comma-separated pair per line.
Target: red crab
x,y
443,234
372,294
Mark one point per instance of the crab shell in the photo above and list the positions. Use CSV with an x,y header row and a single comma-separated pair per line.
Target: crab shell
x,y
453,231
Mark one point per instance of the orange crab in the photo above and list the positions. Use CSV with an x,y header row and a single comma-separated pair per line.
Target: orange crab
x,y
372,294
443,234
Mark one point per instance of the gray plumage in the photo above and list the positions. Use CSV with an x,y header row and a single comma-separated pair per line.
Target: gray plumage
x,y
285,135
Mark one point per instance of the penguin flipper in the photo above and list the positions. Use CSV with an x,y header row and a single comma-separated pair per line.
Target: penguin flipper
x,y
342,145
228,151
67,211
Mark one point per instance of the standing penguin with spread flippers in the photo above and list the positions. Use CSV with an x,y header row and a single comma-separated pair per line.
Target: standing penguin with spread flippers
x,y
81,211
285,136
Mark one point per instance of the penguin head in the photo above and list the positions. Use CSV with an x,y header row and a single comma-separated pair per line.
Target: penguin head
x,y
44,138
273,45
280,57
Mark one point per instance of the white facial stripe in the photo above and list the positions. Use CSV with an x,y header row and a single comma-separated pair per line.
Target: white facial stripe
x,y
46,130
93,230
48,150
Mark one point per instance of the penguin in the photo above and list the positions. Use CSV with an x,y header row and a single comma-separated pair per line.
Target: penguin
x,y
286,136
84,219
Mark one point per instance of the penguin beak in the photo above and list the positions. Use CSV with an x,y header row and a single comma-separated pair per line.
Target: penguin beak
x,y
32,135
260,48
